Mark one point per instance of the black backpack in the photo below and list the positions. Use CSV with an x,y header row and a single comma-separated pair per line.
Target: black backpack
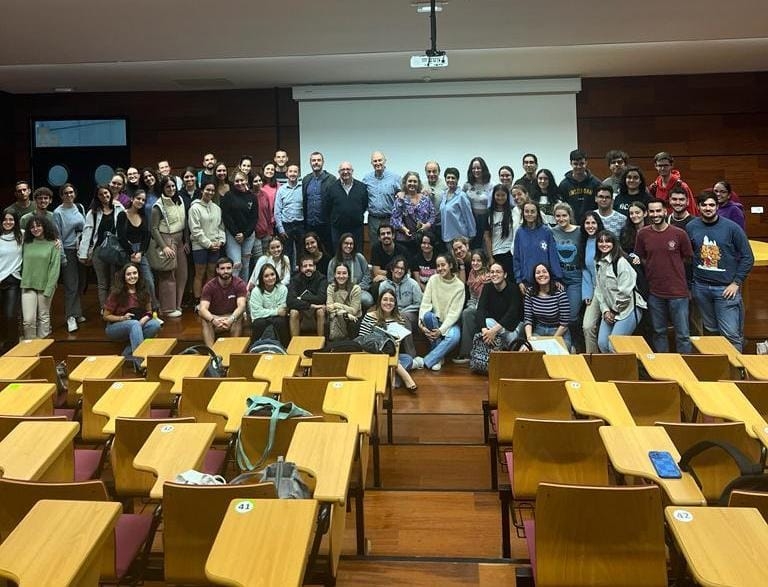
x,y
215,367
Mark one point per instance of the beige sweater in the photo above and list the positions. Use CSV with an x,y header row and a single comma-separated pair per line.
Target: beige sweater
x,y
445,298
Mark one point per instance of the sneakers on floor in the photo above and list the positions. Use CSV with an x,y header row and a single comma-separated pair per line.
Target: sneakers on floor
x,y
80,319
173,314
460,360
71,324
437,366
418,363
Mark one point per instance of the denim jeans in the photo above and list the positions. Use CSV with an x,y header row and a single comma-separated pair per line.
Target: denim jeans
x,y
444,344
662,311
132,331
719,315
625,326
508,336
240,253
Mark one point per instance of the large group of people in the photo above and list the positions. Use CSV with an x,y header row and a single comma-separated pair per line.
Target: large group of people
x,y
264,248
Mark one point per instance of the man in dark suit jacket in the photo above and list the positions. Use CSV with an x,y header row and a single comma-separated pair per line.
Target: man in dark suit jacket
x,y
346,204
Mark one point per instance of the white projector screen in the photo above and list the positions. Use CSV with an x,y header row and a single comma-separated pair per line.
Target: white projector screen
x,y
450,127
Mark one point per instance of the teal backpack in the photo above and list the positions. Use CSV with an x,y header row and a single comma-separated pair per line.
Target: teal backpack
x,y
257,405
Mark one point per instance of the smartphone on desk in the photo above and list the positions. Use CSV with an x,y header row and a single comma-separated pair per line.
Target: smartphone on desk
x,y
665,465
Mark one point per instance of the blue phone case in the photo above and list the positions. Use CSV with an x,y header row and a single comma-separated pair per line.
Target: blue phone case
x,y
665,465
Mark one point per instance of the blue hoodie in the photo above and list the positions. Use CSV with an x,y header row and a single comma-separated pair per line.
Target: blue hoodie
x,y
533,246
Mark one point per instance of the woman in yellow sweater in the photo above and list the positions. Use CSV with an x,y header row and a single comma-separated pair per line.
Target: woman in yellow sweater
x,y
439,313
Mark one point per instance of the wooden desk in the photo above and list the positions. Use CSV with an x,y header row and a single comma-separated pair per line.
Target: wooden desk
x,y
273,368
723,546
172,449
667,367
628,447
600,400
353,401
40,451
125,399
27,399
154,346
96,367
229,401
717,345
59,543
723,399
325,450
225,346
263,542
756,366
558,339
299,344
17,367
181,366
30,348
572,367
760,251
370,367
630,344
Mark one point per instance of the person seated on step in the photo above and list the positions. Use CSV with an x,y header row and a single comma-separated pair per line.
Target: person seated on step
x,y
222,303
307,294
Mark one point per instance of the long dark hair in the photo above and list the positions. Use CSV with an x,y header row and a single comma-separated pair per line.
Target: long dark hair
x,y
96,203
16,232
535,287
623,190
381,321
506,210
585,236
143,184
552,193
120,291
629,232
486,173
263,269
49,233
617,252
340,251
347,286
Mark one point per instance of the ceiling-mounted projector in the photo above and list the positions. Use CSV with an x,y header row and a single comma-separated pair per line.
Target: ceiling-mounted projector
x,y
429,61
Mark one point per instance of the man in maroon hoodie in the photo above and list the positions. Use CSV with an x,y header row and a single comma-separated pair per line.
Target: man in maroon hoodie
x,y
668,179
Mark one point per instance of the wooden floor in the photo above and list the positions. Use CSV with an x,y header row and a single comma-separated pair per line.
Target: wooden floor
x,y
435,520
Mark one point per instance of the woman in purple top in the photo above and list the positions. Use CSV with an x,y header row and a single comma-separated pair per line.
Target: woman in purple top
x,y
413,214
726,207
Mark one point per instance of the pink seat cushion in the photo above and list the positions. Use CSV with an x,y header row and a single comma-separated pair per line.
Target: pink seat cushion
x,y
131,532
510,460
494,420
530,540
214,461
87,463
68,413
160,413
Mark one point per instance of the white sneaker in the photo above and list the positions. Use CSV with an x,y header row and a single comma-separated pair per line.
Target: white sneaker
x,y
418,363
71,324
173,314
80,319
460,360
437,366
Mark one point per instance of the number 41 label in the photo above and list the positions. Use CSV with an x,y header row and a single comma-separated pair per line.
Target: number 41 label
x,y
244,506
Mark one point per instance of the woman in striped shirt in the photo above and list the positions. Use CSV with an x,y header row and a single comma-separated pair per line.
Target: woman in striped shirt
x,y
546,312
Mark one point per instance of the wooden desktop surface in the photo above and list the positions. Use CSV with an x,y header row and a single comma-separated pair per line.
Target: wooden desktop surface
x,y
352,400
760,251
27,399
723,546
225,346
370,367
151,347
717,345
573,367
273,368
325,450
263,542
33,347
630,344
95,367
181,366
39,451
229,401
125,399
667,366
172,449
299,344
756,366
17,367
628,448
600,400
724,399
59,543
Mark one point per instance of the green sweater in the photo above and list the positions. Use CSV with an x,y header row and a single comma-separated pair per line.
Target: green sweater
x,y
40,266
